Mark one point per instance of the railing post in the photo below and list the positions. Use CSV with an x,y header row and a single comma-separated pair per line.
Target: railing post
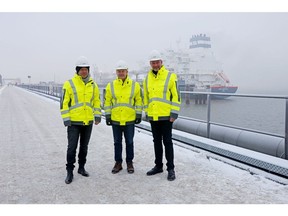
x,y
286,130
208,114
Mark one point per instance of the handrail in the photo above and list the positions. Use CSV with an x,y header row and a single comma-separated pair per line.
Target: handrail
x,y
56,91
236,95
208,121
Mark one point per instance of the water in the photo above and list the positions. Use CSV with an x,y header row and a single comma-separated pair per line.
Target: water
x,y
267,115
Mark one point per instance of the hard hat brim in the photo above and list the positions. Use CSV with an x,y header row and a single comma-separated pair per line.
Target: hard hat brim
x,y
82,65
156,59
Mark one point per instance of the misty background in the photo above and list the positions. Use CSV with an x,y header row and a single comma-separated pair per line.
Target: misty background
x,y
252,47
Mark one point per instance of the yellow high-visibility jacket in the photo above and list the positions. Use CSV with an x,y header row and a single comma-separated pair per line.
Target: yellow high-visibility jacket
x,y
80,102
123,101
161,97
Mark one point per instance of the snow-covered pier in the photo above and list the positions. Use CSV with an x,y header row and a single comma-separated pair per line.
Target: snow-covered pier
x,y
33,145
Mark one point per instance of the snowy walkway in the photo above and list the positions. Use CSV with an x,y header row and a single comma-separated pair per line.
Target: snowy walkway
x,y
32,157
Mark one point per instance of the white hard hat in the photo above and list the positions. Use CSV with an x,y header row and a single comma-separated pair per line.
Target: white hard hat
x,y
155,55
82,62
121,65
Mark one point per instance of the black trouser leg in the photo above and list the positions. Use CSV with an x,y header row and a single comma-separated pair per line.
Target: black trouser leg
x,y
73,133
85,134
167,140
157,139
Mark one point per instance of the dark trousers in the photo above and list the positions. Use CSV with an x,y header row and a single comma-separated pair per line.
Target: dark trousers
x,y
75,132
128,131
163,130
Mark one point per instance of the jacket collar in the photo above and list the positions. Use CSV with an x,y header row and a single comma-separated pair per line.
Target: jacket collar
x,y
162,69
79,78
126,81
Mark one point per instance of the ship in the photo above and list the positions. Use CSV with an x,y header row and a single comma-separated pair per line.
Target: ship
x,y
197,68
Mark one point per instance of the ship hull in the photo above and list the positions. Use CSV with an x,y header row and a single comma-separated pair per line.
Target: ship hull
x,y
223,89
201,98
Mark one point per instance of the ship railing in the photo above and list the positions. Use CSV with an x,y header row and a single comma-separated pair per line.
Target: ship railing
x,y
208,121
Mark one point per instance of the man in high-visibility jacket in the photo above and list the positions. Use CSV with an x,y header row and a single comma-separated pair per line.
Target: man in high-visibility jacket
x,y
161,105
123,109
80,107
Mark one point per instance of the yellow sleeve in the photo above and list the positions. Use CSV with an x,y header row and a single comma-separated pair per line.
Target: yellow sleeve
x,y
108,101
97,104
176,98
145,95
65,103
138,100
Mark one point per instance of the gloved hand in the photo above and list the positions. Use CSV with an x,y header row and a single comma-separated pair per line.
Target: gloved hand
x,y
67,123
138,120
108,121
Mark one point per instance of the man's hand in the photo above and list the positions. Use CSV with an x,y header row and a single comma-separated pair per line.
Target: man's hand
x,y
67,123
172,119
138,120
108,121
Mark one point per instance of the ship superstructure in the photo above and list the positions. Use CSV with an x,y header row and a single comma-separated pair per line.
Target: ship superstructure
x,y
197,67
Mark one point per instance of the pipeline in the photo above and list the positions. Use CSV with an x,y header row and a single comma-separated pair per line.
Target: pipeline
x,y
266,144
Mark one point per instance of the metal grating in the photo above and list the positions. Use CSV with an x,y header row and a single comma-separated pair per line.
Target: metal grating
x,y
263,165
272,168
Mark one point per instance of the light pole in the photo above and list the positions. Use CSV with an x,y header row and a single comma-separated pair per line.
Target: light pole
x,y
29,77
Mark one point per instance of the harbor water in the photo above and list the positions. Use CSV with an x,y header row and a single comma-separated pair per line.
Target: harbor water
x,y
262,114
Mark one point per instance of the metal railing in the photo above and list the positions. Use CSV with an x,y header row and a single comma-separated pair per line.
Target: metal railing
x,y
53,90
57,89
209,122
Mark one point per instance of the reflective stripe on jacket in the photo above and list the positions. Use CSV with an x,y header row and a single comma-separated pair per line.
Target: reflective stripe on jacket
x,y
161,96
123,101
80,102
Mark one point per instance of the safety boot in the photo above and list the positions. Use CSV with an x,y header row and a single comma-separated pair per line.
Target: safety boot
x,y
117,167
69,177
154,171
83,172
171,175
130,168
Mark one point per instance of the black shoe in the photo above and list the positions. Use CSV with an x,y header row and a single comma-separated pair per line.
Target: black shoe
x,y
171,175
83,172
69,177
154,171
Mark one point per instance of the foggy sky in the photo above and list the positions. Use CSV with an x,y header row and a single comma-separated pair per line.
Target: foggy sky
x,y
252,47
